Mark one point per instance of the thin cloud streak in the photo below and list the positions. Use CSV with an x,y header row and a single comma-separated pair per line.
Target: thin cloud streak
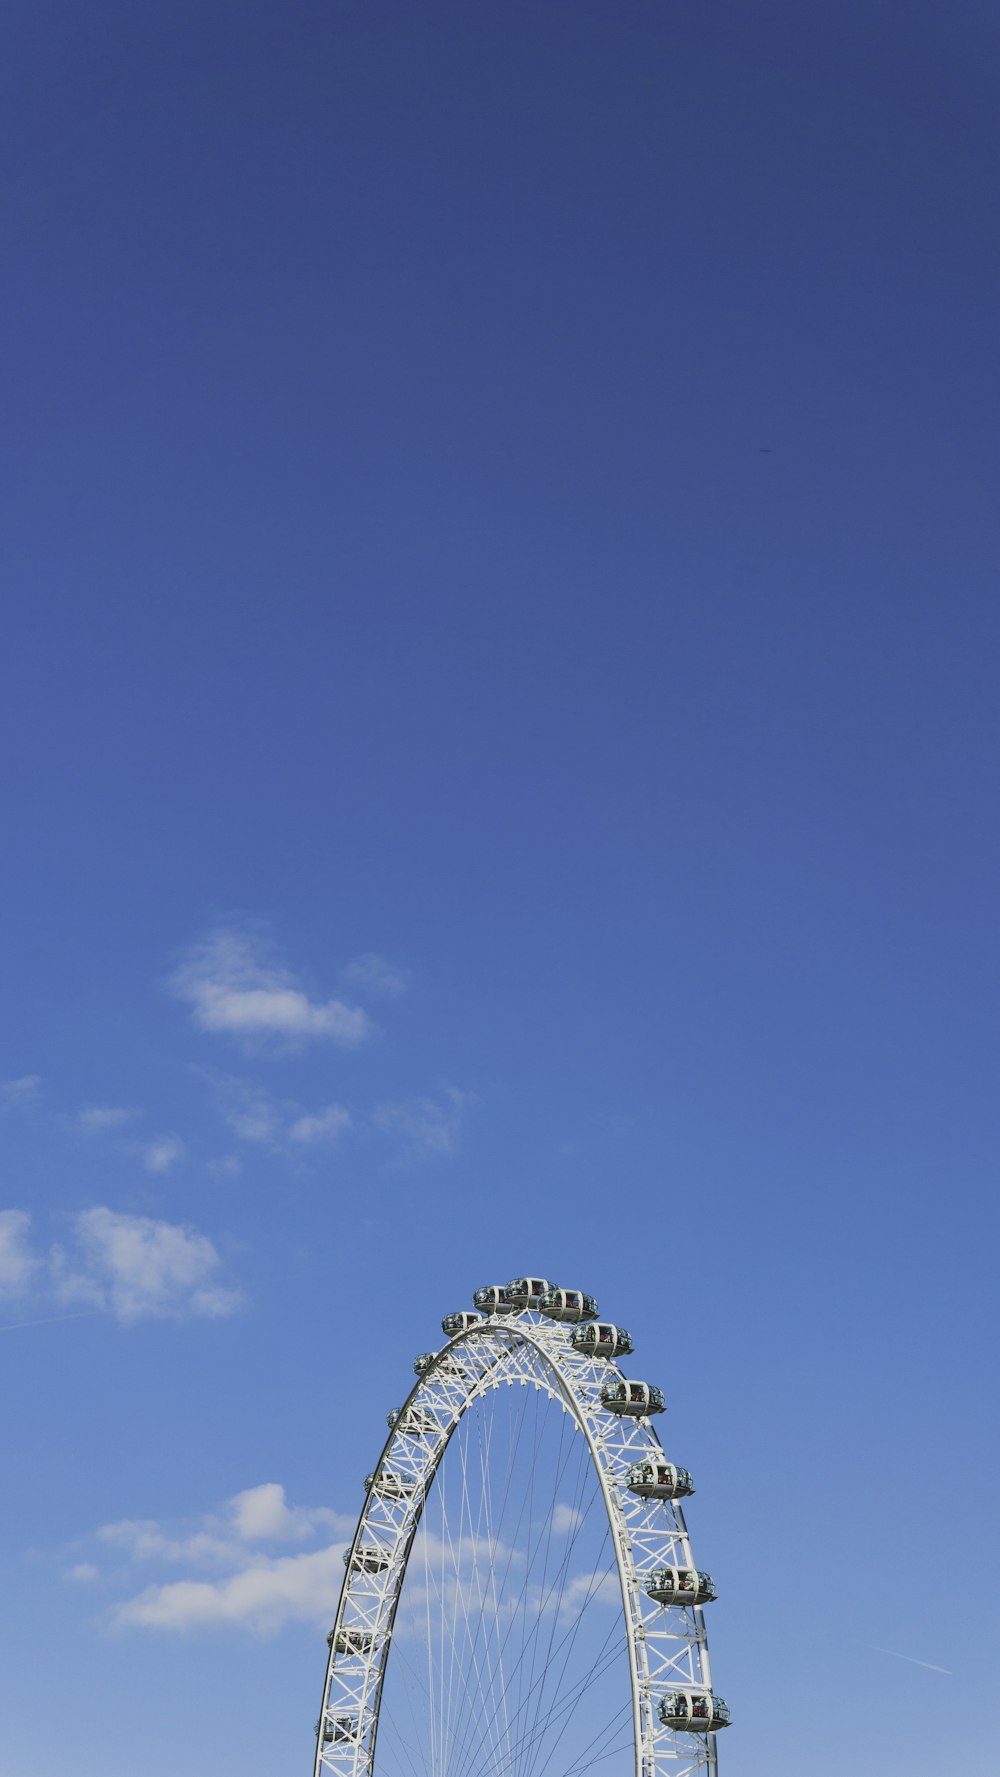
x,y
50,1320
912,1659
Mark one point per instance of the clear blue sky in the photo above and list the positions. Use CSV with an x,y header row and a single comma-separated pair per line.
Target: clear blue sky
x,y
500,739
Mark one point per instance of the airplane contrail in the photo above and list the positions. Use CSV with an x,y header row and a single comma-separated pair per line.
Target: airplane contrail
x,y
50,1320
913,1662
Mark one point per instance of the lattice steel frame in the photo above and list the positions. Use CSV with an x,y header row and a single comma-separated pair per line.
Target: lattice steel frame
x,y
667,1647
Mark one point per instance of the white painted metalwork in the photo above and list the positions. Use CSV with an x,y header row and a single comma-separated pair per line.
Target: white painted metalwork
x,y
667,1652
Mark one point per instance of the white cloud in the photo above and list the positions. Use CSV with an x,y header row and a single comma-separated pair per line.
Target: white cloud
x,y
19,1092
234,987
321,1126
262,1514
252,1588
425,1127
222,1539
162,1153
129,1266
95,1119
282,1125
18,1264
277,1590
371,973
601,1587
139,1269
84,1572
249,1110
225,1166
566,1518
142,1541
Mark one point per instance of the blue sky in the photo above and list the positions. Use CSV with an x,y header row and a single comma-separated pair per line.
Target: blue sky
x,y
499,721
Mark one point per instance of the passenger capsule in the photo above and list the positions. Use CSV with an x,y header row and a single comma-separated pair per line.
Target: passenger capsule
x,y
659,1480
340,1727
680,1585
571,1305
351,1641
527,1292
633,1399
460,1322
694,1712
443,1360
601,1340
411,1422
370,1560
493,1299
388,1485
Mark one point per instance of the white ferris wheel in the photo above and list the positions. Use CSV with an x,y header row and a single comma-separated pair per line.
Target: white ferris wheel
x,y
528,1570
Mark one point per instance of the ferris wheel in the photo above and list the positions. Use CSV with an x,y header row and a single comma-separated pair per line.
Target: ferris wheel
x,y
527,1569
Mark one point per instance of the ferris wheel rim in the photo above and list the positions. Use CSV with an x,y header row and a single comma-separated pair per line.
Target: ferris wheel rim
x,y
508,1334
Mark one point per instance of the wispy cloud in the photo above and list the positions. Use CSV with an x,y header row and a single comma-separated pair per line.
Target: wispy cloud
x,y
226,1538
424,1127
566,1518
324,1126
234,986
276,1590
163,1152
131,1267
226,1166
371,973
98,1119
281,1125
254,1583
18,1263
140,1269
249,1110
22,1091
262,1514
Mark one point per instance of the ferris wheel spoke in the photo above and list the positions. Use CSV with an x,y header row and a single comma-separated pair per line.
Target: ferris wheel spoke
x,y
555,1604
618,1724
500,1699
512,1548
448,1617
567,1703
535,1638
561,1704
525,1700
485,1445
476,1751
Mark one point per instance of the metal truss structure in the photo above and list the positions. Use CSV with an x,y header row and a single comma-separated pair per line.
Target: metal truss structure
x,y
667,1650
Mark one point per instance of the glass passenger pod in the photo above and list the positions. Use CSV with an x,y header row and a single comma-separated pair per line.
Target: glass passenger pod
x,y
601,1340
694,1712
443,1359
634,1399
412,1422
571,1305
388,1485
680,1585
341,1727
351,1642
369,1560
527,1292
659,1480
493,1299
460,1322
